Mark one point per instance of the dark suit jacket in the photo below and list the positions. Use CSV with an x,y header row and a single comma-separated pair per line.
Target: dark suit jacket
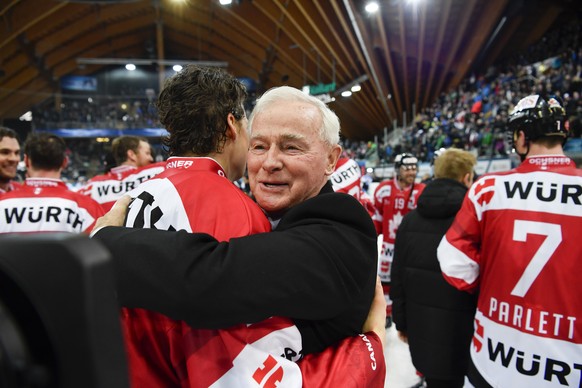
x,y
318,267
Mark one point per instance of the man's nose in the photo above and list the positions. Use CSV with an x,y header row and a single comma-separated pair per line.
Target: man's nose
x,y
272,160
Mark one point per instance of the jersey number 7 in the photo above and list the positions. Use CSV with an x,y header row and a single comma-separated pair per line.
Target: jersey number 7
x,y
553,233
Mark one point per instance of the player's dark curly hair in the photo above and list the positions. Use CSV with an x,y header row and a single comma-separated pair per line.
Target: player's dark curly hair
x,y
45,151
7,132
193,107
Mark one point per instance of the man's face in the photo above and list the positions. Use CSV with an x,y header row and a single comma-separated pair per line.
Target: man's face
x,y
9,158
408,174
287,160
143,156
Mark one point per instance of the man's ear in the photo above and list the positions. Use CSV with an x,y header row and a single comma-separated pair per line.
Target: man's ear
x,y
65,163
26,161
231,128
131,156
521,140
332,158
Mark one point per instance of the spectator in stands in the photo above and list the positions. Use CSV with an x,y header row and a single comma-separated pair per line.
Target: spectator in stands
x,y
44,203
133,157
516,240
9,159
434,318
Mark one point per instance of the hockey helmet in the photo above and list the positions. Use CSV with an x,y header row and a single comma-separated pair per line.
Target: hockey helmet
x,y
405,160
537,117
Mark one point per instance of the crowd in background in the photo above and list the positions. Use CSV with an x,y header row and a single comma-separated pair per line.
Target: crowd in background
x,y
471,117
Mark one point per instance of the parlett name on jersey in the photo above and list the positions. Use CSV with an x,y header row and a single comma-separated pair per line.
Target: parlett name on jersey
x,y
45,214
539,322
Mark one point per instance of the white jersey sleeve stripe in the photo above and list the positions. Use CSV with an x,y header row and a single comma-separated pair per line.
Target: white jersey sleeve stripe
x,y
458,268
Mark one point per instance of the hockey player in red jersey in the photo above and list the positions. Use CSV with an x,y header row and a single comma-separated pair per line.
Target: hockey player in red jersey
x,y
44,203
134,166
347,179
9,159
393,199
195,194
516,241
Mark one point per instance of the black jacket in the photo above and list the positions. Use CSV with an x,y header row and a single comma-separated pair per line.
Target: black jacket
x,y
318,267
437,318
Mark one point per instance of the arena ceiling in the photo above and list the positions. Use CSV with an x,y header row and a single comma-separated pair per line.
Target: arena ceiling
x,y
403,56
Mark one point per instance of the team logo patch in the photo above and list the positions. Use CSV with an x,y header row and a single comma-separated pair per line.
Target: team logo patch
x,y
484,191
478,336
526,103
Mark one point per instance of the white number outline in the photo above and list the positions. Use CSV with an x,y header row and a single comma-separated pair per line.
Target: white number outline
x,y
553,233
399,203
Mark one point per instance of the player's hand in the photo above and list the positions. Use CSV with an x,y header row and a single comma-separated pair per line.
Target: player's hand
x,y
376,320
115,216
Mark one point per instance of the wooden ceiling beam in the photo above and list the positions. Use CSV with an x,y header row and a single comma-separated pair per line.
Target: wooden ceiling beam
x,y
420,57
393,85
433,62
357,50
460,31
40,15
478,37
404,56
37,62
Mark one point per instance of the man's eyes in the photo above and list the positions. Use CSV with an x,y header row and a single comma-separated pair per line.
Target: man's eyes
x,y
257,147
283,147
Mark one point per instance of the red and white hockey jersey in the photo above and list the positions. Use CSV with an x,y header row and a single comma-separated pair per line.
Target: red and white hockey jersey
x,y
47,205
392,204
108,188
347,179
194,194
12,185
516,241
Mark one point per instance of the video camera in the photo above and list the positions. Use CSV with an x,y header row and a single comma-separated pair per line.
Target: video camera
x,y
59,318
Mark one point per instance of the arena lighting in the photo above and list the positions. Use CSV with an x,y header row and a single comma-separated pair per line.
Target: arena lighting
x,y
225,2
350,85
130,67
372,7
356,88
346,93
146,62
177,68
26,117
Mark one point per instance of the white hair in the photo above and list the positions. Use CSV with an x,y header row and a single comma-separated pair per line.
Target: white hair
x,y
330,128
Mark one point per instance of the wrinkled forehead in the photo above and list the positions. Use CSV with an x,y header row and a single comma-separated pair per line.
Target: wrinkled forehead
x,y
296,116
